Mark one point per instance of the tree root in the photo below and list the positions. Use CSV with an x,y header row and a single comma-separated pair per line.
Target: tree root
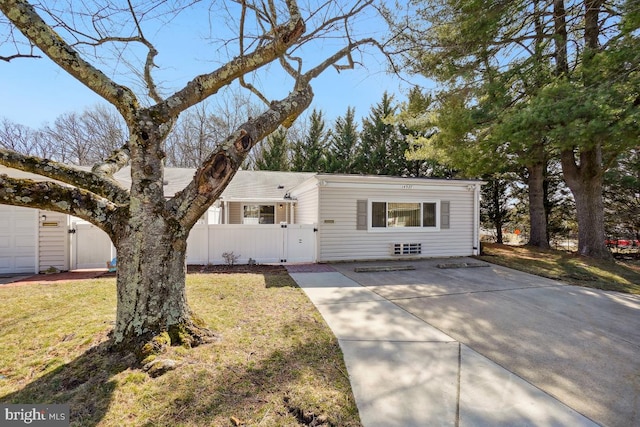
x,y
148,347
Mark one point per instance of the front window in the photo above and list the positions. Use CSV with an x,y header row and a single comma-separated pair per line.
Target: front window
x,y
258,214
403,215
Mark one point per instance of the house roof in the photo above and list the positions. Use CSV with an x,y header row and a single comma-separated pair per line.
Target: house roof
x,y
175,179
245,185
263,185
355,178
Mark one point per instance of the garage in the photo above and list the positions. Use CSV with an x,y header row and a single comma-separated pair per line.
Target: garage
x,y
18,240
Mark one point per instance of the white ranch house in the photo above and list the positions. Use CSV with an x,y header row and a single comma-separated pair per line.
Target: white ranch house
x,y
272,217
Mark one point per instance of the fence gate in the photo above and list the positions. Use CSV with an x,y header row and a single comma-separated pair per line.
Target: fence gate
x,y
299,243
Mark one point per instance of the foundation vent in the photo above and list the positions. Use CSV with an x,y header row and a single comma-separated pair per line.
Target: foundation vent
x,y
407,248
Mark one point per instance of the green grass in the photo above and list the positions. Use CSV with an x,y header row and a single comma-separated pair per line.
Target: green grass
x,y
277,364
568,267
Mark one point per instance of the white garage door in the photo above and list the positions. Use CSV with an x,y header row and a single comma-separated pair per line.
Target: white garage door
x,y
18,231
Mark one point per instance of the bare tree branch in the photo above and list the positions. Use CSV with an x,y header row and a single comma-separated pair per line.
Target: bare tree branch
x,y
329,23
112,164
242,80
331,61
25,19
58,198
18,55
100,185
149,63
206,85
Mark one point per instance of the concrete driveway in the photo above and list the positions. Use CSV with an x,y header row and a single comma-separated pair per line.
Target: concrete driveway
x,y
519,340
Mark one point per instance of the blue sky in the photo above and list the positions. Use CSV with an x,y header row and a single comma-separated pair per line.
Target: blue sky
x,y
35,91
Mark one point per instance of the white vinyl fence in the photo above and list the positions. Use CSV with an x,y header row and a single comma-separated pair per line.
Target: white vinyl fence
x,y
290,243
263,243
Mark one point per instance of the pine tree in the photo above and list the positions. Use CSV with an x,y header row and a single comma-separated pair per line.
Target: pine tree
x,y
494,208
309,153
572,89
382,147
343,144
274,153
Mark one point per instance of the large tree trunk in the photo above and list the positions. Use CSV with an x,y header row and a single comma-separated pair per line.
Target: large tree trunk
x,y
151,288
585,181
151,243
537,212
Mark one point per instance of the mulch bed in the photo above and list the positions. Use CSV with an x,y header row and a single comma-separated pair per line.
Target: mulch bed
x,y
261,268
220,269
66,276
237,268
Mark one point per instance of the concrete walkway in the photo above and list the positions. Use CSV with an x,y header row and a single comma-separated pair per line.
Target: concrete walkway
x,y
406,372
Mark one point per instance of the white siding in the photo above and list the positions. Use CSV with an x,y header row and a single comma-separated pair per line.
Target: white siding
x,y
53,238
339,239
307,207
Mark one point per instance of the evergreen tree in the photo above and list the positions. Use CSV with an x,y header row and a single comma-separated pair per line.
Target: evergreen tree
x,y
382,147
343,144
416,126
274,152
309,153
494,210
571,89
622,197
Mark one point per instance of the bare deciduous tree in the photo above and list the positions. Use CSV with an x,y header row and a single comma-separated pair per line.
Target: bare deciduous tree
x,y
149,231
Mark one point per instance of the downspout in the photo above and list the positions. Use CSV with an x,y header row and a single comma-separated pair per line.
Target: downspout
x,y
292,219
37,254
476,220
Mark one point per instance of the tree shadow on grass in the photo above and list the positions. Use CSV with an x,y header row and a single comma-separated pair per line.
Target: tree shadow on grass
x,y
85,384
298,385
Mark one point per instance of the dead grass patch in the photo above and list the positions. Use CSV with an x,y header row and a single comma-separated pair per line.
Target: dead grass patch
x,y
568,267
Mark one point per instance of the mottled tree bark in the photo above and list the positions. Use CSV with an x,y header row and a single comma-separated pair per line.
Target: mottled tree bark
x,y
151,286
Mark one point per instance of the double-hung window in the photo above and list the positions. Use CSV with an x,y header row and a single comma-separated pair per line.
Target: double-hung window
x,y
404,215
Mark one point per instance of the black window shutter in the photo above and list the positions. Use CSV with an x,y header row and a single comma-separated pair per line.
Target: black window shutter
x,y
361,215
445,214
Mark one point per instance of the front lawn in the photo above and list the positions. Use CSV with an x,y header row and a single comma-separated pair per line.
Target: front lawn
x,y
277,364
